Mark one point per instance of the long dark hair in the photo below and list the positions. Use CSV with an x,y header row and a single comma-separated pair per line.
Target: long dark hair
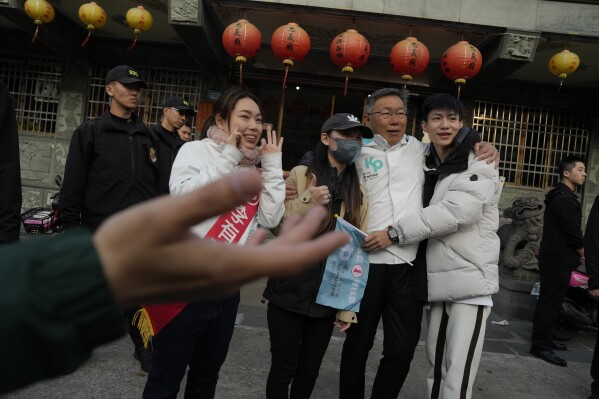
x,y
225,104
349,186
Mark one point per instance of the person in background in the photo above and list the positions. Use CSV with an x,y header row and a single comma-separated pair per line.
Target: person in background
x,y
185,131
112,164
175,113
299,328
460,220
591,254
61,297
198,333
10,170
561,251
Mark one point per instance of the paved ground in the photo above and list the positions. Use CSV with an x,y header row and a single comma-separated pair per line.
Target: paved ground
x,y
506,369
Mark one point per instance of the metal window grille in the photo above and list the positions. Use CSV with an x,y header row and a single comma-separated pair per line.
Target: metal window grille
x,y
531,141
162,84
35,84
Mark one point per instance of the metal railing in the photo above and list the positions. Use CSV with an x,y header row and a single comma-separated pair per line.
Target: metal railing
x,y
531,141
35,84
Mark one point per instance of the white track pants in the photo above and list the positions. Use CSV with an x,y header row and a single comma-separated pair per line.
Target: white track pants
x,y
454,343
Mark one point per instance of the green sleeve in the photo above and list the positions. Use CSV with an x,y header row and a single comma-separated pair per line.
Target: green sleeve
x,y
55,306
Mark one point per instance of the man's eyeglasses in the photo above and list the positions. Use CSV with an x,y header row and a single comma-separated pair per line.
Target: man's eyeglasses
x,y
387,115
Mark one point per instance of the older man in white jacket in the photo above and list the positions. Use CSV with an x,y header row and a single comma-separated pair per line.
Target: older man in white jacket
x,y
460,221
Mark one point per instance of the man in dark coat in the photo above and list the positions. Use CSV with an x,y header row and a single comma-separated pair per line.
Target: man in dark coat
x,y
561,251
10,171
175,113
591,253
112,165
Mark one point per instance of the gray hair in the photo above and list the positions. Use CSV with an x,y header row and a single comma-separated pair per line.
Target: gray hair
x,y
388,91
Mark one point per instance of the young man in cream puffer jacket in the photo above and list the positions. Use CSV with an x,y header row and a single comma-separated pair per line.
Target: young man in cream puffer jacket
x,y
460,221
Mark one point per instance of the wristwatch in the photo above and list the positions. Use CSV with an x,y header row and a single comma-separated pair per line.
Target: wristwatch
x,y
392,233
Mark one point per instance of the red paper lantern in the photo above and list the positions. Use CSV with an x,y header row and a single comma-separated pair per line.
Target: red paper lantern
x,y
242,40
349,50
409,58
461,62
290,43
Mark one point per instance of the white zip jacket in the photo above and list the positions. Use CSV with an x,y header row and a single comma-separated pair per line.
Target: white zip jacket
x,y
393,179
201,162
461,224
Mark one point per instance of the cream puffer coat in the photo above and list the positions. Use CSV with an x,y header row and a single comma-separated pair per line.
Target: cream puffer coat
x,y
461,224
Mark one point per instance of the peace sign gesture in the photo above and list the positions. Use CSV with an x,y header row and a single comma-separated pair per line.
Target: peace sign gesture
x,y
270,145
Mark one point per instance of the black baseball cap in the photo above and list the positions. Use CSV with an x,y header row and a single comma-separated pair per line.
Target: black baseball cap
x,y
344,122
124,74
180,104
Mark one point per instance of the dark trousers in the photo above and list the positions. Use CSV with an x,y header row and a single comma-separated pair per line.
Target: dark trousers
x,y
199,337
554,286
595,369
388,294
297,345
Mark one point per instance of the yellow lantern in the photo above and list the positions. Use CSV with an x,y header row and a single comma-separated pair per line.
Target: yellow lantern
x,y
93,16
562,64
140,20
41,11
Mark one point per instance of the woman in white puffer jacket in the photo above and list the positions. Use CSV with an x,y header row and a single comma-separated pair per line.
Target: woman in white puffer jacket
x,y
460,220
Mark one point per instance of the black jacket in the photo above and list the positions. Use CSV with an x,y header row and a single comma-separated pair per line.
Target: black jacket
x,y
168,147
10,171
591,246
111,165
562,234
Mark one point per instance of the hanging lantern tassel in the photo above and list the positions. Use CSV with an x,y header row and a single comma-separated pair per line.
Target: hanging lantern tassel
x,y
347,70
89,33
136,32
288,63
37,30
41,11
241,59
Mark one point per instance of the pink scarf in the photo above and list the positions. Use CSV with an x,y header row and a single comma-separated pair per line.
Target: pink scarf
x,y
250,157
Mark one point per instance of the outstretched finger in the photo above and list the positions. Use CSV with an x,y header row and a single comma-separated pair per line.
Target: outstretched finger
x,y
289,223
286,260
257,237
177,214
304,228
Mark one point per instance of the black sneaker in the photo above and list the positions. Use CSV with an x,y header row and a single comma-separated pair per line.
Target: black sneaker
x,y
144,356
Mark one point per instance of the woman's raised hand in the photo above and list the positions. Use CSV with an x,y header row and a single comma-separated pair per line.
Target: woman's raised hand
x,y
234,138
320,194
270,145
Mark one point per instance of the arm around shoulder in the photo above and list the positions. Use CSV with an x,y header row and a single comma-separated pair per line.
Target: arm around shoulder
x,y
303,201
461,204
